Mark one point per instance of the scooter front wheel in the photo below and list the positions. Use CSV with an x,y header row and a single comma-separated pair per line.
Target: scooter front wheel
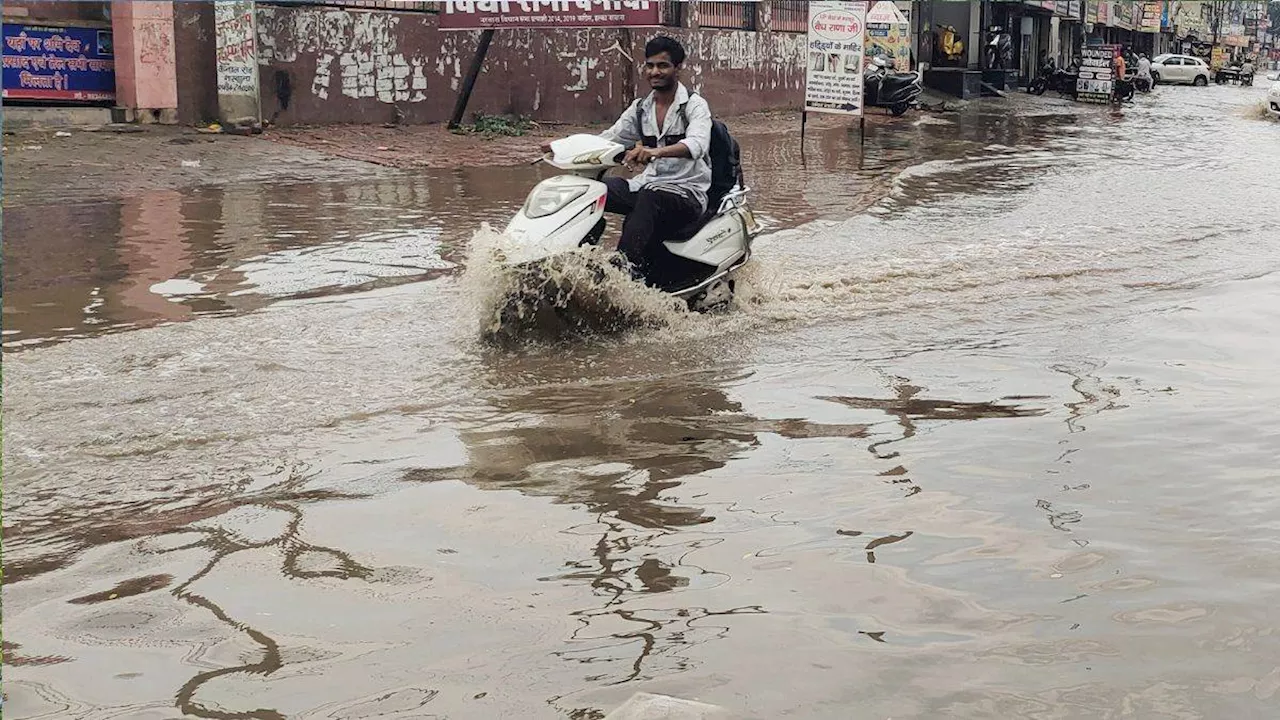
x,y
1038,86
717,298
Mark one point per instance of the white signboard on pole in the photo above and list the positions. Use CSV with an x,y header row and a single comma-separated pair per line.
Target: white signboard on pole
x,y
833,83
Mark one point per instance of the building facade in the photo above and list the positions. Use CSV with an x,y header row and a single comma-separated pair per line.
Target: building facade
x,y
389,61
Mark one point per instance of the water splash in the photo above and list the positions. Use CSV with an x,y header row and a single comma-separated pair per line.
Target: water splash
x,y
564,297
1258,111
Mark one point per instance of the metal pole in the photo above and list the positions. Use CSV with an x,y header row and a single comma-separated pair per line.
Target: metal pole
x,y
862,131
469,82
804,120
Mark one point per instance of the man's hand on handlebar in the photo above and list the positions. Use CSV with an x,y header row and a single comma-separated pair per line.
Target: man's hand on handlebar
x,y
638,157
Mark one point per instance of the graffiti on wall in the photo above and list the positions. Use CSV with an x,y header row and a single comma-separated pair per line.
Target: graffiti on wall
x,y
155,42
357,54
236,54
344,64
759,61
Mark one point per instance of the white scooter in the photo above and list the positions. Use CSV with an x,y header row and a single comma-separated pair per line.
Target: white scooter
x,y
566,212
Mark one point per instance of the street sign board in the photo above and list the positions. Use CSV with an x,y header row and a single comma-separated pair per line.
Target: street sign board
x,y
836,44
58,63
525,14
1097,73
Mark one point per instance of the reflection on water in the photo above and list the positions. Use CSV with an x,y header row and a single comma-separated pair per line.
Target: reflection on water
x,y
76,270
302,561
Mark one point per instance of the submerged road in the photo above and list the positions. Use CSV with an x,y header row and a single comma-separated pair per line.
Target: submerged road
x,y
994,433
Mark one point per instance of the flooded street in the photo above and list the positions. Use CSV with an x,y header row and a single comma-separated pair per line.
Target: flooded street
x,y
994,433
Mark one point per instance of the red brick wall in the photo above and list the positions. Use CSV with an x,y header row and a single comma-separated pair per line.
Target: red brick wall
x,y
57,12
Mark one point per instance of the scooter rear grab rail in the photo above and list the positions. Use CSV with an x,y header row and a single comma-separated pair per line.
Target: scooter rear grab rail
x,y
731,198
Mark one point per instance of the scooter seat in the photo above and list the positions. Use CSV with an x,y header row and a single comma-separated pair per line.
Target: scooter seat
x,y
688,231
896,81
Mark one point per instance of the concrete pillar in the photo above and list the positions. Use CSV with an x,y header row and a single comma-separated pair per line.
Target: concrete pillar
x,y
1055,40
975,35
236,39
146,74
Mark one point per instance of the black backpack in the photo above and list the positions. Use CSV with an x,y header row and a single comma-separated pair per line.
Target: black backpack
x,y
724,155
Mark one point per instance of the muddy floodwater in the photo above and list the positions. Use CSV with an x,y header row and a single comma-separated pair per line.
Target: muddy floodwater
x,y
994,433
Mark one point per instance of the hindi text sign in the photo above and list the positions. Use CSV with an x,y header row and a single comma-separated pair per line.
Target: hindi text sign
x,y
58,63
1097,73
237,57
521,14
833,79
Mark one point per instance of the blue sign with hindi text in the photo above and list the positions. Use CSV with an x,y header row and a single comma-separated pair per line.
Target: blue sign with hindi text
x,y
58,63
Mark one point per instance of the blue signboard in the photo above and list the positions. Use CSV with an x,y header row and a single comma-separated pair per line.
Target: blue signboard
x,y
58,63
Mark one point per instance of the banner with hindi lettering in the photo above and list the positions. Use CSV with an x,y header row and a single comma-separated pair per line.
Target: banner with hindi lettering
x,y
1149,22
58,63
498,14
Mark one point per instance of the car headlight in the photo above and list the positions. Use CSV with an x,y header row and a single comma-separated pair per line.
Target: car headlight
x,y
551,199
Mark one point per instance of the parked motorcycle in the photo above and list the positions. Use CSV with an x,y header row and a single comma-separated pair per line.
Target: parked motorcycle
x,y
999,50
1123,90
1063,81
897,91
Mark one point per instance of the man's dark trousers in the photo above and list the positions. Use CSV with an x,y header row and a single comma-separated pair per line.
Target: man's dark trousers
x,y
654,214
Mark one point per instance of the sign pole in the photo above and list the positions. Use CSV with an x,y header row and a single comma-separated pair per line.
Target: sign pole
x,y
862,131
469,82
804,120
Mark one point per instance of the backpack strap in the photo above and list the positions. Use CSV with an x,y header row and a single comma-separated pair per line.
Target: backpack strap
x,y
651,141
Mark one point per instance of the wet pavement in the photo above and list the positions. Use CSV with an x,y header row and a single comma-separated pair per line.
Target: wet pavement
x,y
993,434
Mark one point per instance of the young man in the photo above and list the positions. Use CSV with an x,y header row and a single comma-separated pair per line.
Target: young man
x,y
669,132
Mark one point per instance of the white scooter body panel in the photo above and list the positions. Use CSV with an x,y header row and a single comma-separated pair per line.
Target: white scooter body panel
x,y
562,231
584,158
719,244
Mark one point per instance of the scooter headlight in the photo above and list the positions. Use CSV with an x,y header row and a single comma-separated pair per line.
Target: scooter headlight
x,y
551,199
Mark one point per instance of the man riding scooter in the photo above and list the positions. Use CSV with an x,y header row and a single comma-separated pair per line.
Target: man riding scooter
x,y
1143,80
670,131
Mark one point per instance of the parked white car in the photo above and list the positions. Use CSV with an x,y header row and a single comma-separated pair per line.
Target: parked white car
x,y
1273,97
1180,69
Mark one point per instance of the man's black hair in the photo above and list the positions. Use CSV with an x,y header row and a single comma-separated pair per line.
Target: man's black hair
x,y
665,44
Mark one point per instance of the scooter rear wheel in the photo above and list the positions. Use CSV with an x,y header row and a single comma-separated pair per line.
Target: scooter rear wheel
x,y
897,109
1038,86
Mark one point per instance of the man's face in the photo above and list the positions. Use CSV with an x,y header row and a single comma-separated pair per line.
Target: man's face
x,y
661,72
